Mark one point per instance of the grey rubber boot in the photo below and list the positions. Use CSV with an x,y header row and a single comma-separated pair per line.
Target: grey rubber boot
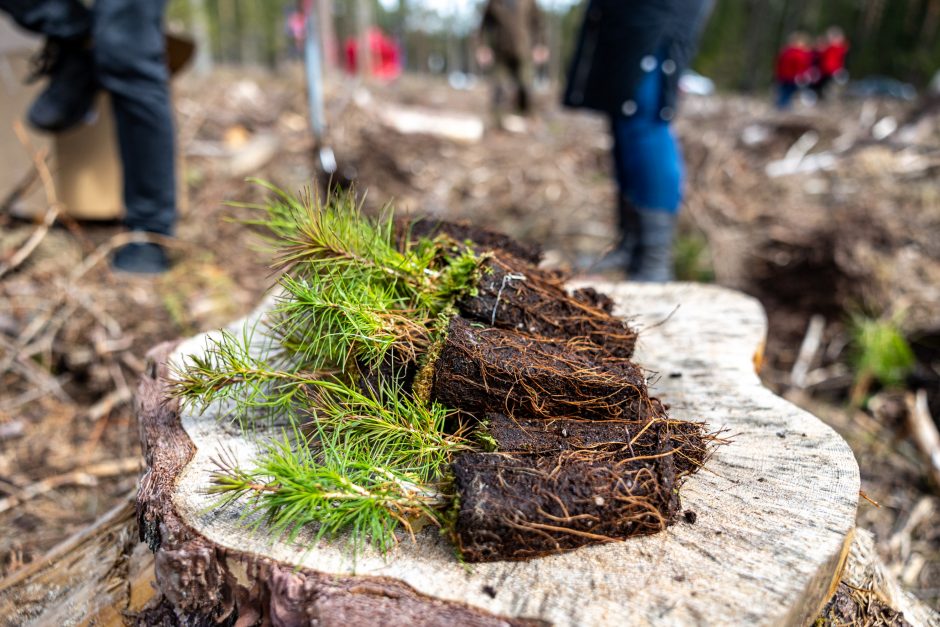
x,y
652,260
623,254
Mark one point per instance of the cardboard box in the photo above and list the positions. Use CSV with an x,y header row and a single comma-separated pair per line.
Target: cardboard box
x,y
89,177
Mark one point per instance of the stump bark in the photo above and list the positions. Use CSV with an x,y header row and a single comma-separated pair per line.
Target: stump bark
x,y
762,541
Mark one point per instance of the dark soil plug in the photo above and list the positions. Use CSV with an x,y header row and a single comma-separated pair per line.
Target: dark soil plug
x,y
523,506
514,295
488,369
484,240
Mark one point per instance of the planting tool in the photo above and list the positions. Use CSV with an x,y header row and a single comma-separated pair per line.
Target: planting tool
x,y
313,66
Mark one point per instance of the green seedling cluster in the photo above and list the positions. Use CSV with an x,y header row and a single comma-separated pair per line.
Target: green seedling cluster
x,y
360,453
880,351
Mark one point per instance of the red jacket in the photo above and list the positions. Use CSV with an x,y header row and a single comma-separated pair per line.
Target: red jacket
x,y
832,58
793,63
385,55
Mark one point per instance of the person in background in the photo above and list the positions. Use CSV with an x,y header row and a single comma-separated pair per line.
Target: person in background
x,y
627,64
294,28
830,60
510,40
794,69
119,46
385,55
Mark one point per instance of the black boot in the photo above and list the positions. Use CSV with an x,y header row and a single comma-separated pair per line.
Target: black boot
x,y
621,257
69,96
141,258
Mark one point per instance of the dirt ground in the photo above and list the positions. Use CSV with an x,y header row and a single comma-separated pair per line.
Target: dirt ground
x,y
813,212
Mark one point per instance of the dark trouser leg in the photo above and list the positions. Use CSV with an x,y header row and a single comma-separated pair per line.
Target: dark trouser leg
x,y
785,92
129,59
61,19
819,87
522,82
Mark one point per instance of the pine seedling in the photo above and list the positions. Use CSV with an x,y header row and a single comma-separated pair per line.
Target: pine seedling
x,y
364,459
251,376
356,346
368,467
338,490
337,317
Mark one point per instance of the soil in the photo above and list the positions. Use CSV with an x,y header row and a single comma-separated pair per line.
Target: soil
x,y
554,435
462,232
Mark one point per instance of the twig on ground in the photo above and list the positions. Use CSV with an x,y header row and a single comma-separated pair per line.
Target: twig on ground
x,y
19,190
924,433
900,540
50,329
31,243
123,510
26,368
87,476
39,163
43,380
808,350
11,430
8,407
87,303
108,402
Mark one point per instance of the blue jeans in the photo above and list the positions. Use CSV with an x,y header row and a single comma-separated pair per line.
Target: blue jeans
x,y
128,50
647,158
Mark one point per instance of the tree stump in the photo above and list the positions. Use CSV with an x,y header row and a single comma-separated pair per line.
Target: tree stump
x,y
766,528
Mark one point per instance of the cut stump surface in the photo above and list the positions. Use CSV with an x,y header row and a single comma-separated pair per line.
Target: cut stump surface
x,y
767,524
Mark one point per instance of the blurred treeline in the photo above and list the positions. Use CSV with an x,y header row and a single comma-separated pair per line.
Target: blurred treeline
x,y
897,38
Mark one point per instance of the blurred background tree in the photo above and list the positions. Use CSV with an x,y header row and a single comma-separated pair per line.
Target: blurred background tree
x,y
900,39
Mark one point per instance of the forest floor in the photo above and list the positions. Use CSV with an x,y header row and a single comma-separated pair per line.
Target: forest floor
x,y
827,212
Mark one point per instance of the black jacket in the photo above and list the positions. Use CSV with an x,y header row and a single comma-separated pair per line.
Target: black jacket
x,y
615,38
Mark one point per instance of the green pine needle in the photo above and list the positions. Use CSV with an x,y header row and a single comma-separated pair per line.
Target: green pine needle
x,y
292,489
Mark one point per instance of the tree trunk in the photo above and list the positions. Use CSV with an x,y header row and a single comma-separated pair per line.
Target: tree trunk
x,y
767,526
363,49
202,65
330,50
